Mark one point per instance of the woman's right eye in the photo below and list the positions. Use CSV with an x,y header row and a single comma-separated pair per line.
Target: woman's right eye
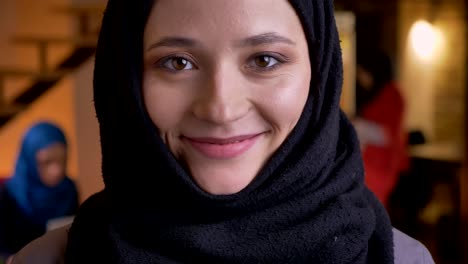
x,y
177,64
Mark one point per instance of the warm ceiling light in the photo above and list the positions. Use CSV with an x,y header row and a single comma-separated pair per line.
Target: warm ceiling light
x,y
424,39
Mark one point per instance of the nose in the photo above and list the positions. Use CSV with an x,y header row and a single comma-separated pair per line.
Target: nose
x,y
223,98
56,172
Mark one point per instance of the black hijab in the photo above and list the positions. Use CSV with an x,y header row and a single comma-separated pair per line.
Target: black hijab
x,y
307,205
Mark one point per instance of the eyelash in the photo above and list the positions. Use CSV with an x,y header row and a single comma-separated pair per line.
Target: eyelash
x,y
161,63
279,60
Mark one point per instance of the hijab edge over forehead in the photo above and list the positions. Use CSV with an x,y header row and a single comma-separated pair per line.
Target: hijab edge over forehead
x,y
137,117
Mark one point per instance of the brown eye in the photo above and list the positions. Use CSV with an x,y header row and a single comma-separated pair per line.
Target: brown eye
x,y
179,63
263,61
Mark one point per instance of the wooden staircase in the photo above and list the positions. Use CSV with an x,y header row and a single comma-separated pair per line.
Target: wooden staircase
x,y
83,47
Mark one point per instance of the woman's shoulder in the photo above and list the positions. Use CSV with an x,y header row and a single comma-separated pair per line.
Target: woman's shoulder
x,y
408,250
49,248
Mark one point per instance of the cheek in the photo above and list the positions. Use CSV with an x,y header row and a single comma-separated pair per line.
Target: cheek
x,y
283,104
166,103
43,171
55,169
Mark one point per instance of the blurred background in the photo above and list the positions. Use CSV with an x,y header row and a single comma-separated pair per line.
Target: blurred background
x,y
47,48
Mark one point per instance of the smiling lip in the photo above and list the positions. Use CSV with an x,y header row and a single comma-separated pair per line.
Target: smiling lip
x,y
223,148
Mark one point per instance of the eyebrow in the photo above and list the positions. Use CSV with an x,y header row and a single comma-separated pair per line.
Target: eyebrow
x,y
174,42
265,38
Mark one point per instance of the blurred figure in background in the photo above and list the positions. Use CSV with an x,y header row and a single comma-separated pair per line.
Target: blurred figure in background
x,y
38,191
379,123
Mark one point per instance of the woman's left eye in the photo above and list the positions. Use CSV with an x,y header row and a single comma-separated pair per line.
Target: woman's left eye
x,y
264,62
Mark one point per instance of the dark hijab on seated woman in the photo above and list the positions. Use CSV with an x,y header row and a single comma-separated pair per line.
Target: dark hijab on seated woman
x,y
307,203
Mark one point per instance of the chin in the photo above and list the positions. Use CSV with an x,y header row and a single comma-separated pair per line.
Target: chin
x,y
223,183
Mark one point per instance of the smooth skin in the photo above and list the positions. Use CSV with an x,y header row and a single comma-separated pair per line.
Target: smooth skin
x,y
225,82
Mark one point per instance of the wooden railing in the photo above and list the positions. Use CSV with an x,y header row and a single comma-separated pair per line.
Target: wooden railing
x,y
45,76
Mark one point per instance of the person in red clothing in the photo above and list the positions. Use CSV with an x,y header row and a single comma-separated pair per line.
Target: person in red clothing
x,y
379,124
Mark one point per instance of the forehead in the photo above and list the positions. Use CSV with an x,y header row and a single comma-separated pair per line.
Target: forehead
x,y
55,150
231,18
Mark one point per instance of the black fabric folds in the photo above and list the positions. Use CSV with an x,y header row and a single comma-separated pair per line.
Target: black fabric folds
x,y
307,205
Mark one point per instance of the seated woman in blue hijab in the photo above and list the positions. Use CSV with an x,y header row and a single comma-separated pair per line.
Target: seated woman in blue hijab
x,y
39,189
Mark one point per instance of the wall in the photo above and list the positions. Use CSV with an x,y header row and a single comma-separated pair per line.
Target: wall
x,y
435,88
37,19
464,174
87,133
7,25
451,78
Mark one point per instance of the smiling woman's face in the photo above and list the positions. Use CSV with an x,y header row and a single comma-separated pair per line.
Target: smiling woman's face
x,y
225,82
